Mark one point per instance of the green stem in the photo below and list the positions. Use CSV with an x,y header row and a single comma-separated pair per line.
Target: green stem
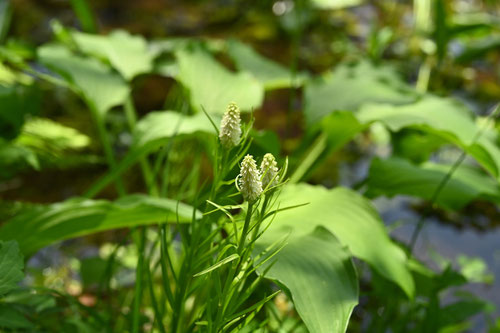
x,y
138,281
108,150
317,148
243,236
131,116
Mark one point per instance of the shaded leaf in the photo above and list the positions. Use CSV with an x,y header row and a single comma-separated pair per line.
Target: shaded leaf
x,y
13,319
398,176
11,266
16,103
443,117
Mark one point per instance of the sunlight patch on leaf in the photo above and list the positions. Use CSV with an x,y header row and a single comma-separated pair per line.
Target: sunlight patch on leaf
x,y
213,86
127,53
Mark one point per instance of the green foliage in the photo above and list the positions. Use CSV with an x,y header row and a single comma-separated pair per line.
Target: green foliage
x,y
17,102
320,276
100,87
335,4
212,86
452,123
348,87
127,53
158,127
352,219
397,176
199,259
272,75
44,225
11,266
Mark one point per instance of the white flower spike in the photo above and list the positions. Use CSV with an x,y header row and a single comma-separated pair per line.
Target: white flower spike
x,y
230,129
249,179
269,171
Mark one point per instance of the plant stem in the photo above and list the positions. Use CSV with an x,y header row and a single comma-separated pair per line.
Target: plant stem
x,y
138,281
243,236
106,145
131,116
318,147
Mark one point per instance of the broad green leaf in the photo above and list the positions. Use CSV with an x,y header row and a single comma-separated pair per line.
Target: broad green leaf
x,y
335,4
349,87
320,276
352,219
11,266
161,125
76,217
443,117
212,86
94,81
13,319
46,134
341,127
398,176
271,74
127,53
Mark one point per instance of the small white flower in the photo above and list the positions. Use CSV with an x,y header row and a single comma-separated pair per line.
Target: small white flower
x,y
269,171
230,130
249,179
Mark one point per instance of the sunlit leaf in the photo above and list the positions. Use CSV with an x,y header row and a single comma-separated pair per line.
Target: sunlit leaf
x,y
335,4
349,87
161,125
93,80
127,53
48,134
320,276
212,86
271,74
44,225
352,219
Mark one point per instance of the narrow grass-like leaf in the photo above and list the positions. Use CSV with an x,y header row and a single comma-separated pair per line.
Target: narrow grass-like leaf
x,y
44,225
224,261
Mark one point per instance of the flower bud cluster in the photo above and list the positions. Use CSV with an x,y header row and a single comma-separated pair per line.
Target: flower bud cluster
x,y
249,179
269,170
253,181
